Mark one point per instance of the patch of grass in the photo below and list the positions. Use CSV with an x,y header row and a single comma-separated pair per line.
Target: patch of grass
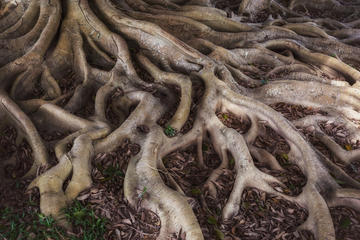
x,y
215,224
219,234
111,172
345,222
212,220
30,224
84,218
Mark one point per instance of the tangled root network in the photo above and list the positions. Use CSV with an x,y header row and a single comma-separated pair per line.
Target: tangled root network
x,y
134,61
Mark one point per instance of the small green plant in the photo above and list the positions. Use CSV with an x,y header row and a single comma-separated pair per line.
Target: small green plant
x,y
32,203
285,156
232,162
339,181
82,217
212,220
225,116
205,147
18,185
110,172
219,234
345,222
292,187
196,191
262,209
46,221
141,194
170,131
286,162
28,225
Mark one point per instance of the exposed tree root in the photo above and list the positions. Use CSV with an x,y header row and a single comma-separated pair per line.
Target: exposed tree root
x,y
266,53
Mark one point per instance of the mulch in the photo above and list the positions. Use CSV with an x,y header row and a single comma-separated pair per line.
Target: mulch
x,y
261,216
338,133
339,136
292,177
240,124
229,6
21,154
295,112
7,142
197,92
184,169
346,222
106,197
